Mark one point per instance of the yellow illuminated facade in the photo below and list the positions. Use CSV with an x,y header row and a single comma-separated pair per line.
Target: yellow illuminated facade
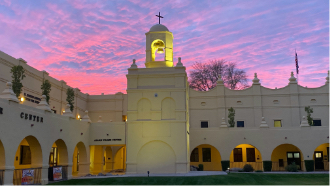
x,y
160,125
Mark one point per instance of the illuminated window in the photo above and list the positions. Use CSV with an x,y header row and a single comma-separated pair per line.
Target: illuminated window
x,y
318,155
53,157
240,123
277,123
204,124
25,158
206,154
194,156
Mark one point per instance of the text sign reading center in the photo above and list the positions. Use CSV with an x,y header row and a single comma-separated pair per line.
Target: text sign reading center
x,y
107,140
32,117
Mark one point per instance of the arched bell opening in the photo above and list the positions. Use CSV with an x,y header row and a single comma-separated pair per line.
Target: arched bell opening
x,y
286,154
246,154
158,50
28,162
321,157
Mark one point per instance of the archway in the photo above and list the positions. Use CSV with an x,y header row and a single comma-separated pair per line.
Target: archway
x,y
58,161
156,157
168,108
246,154
321,157
158,50
28,162
286,154
208,156
119,159
2,163
80,164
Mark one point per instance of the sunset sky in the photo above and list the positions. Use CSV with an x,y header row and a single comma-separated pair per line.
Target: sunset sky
x,y
90,44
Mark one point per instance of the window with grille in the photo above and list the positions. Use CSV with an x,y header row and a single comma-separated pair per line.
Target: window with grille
x,y
238,156
204,124
194,156
206,154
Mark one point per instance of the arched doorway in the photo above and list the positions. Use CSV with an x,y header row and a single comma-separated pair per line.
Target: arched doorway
x,y
156,157
119,160
286,154
58,161
2,163
208,156
80,164
28,162
321,157
246,154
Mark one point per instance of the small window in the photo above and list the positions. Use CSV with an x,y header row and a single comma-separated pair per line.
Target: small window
x,y
296,155
206,154
204,124
240,123
277,123
194,156
239,102
25,158
316,122
203,103
275,101
238,155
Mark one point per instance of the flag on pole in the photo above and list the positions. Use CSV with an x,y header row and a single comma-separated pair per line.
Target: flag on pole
x,y
297,66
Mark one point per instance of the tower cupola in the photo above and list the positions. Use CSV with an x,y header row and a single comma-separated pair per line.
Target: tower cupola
x,y
159,41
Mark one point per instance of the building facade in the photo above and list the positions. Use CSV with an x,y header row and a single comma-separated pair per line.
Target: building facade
x,y
160,125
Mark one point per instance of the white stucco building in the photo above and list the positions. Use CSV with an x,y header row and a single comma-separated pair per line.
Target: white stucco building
x,y
160,125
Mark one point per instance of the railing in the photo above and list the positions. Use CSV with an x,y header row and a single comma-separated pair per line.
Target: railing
x,y
255,165
62,173
32,176
325,166
2,173
277,166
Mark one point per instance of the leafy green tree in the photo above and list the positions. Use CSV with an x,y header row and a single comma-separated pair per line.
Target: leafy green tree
x,y
17,75
309,110
70,98
231,116
46,88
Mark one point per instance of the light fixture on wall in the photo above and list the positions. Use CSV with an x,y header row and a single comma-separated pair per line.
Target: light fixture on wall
x,y
60,130
286,138
82,133
22,99
107,134
258,157
244,138
32,125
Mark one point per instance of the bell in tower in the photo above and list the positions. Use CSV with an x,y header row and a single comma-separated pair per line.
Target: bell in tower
x,y
159,40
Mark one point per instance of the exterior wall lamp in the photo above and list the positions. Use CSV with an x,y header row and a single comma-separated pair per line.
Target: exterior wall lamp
x,y
82,133
32,125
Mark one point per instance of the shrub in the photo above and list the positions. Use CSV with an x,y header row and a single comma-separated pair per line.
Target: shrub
x,y
200,167
17,75
259,171
292,167
225,165
240,171
267,165
309,165
248,168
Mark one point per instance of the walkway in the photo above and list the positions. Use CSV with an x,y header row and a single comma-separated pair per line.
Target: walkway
x,y
191,173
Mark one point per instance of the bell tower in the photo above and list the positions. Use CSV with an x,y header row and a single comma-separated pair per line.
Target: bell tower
x,y
157,110
159,40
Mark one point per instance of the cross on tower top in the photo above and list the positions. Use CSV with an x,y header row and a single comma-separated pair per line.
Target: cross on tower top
x,y
159,17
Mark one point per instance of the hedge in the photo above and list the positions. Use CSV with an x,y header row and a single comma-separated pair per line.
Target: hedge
x,y
200,167
309,164
225,165
267,165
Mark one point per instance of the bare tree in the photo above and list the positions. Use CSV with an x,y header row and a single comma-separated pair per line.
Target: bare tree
x,y
204,76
